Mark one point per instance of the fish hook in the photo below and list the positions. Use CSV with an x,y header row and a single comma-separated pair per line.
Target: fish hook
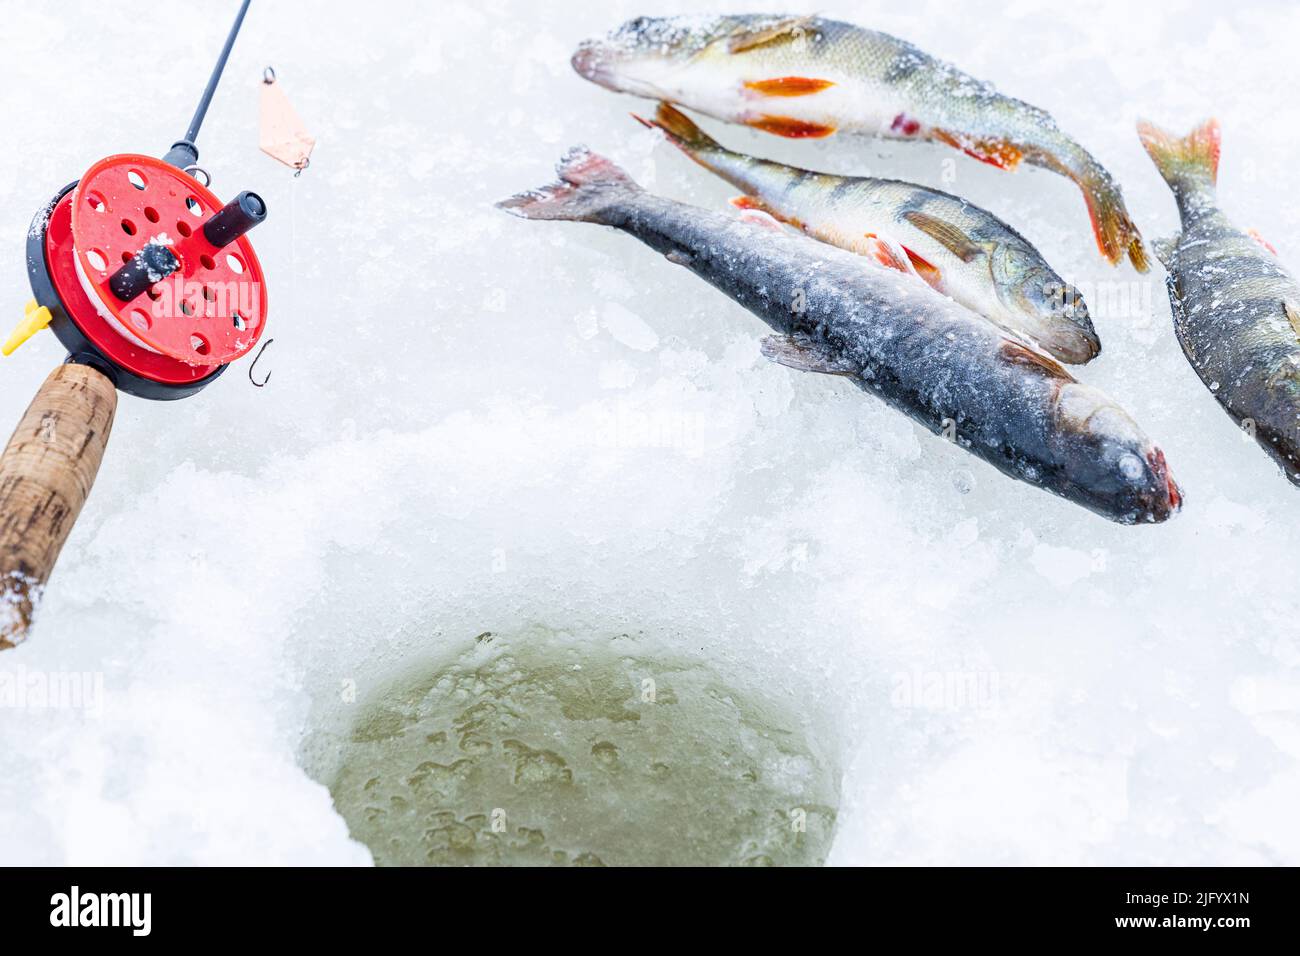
x,y
262,383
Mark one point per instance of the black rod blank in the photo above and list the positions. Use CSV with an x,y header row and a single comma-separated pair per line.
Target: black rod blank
x,y
184,152
193,132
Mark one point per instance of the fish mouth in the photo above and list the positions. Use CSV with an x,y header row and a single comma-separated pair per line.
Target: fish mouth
x,y
1169,496
607,65
591,62
1076,346
1054,315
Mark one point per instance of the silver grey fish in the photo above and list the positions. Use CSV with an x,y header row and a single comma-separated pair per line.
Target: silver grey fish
x,y
1236,308
886,331
957,247
804,76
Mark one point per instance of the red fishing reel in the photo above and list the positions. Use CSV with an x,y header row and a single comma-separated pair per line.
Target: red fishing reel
x,y
147,276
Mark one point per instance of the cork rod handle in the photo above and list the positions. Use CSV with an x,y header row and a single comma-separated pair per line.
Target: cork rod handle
x,y
46,473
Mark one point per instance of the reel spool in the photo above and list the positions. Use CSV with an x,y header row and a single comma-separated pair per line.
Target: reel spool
x,y
147,277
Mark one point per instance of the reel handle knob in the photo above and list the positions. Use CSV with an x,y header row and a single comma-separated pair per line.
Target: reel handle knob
x,y
151,264
46,473
241,214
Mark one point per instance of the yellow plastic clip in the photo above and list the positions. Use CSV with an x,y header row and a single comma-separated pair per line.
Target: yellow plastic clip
x,y
37,318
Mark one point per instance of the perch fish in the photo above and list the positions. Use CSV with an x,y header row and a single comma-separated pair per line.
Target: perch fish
x,y
804,76
886,331
958,248
1236,308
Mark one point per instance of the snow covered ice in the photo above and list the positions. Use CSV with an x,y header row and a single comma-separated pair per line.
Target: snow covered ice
x,y
480,424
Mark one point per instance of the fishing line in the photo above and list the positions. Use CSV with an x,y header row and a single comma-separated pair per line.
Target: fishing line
x,y
283,137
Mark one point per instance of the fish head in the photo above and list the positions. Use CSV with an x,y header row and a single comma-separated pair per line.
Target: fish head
x,y
647,56
1109,460
1047,307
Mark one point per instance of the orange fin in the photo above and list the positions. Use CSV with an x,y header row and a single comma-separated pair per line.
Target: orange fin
x,y
753,202
789,127
995,152
788,86
889,254
1197,152
1111,226
1261,240
759,217
926,269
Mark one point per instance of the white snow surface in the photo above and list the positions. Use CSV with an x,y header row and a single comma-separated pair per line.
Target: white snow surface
x,y
479,423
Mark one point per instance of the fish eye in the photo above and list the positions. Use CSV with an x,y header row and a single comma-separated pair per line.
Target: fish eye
x,y
1130,466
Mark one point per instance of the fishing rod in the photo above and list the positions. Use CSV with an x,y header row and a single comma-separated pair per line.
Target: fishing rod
x,y
184,153
150,283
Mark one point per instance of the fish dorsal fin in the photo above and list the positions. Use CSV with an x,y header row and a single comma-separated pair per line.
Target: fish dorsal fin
x,y
802,353
1292,310
750,37
944,233
1164,250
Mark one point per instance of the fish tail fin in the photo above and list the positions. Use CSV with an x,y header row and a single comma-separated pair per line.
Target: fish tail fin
x,y
1193,158
682,131
1190,164
1117,235
588,187
742,171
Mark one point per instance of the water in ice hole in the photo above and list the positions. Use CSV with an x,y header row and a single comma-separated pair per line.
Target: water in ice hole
x,y
535,749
